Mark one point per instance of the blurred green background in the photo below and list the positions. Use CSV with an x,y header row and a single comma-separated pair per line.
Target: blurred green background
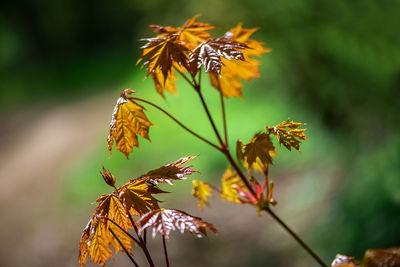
x,y
334,65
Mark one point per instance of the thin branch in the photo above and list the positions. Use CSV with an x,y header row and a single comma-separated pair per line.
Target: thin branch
x,y
126,251
203,102
295,236
175,120
224,119
165,251
122,229
184,77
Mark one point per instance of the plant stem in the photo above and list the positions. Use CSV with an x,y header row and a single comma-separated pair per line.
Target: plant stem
x,y
295,236
225,150
126,251
203,102
165,251
122,229
224,119
142,243
175,120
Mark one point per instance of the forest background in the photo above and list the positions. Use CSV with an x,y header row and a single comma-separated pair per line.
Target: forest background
x,y
334,65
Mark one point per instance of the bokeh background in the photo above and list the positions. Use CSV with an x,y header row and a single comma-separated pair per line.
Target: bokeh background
x,y
334,65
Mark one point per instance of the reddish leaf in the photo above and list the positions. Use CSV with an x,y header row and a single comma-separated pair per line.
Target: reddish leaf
x,y
161,53
382,257
210,53
344,261
171,171
164,221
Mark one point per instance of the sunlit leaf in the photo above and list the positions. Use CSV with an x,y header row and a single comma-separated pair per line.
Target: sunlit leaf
x,y
161,53
210,53
259,151
201,191
171,171
191,34
228,82
382,257
288,134
164,221
230,183
344,261
164,85
96,239
137,196
128,120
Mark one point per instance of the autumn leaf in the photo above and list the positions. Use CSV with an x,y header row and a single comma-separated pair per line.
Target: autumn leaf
x,y
258,152
230,183
191,34
108,177
161,53
127,121
210,53
382,257
228,83
288,134
162,84
137,196
201,191
344,261
171,171
164,221
96,239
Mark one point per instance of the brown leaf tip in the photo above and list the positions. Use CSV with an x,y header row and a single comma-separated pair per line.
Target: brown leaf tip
x,y
108,177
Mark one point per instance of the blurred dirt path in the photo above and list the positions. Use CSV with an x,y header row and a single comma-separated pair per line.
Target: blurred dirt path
x,y
35,149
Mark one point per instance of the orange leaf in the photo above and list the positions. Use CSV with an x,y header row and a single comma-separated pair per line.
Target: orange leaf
x,y
382,257
137,196
96,240
164,221
192,33
128,120
164,85
228,82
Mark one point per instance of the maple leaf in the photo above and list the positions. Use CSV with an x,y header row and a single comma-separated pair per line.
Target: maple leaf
x,y
288,134
190,34
230,183
164,221
228,83
137,196
161,53
162,84
127,121
344,261
210,53
171,171
201,191
96,240
382,257
258,153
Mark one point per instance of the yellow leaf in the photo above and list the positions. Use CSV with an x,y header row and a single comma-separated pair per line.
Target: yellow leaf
x,y
230,183
164,85
288,134
259,152
137,196
128,120
201,191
